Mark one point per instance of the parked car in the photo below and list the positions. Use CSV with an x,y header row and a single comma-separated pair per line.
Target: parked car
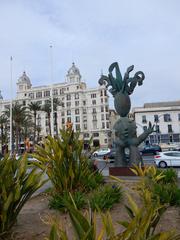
x,y
167,159
151,150
1,156
101,152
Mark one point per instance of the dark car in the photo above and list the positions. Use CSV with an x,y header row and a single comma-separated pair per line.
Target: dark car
x,y
151,150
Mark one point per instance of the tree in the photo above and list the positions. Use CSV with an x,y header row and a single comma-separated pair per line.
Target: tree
x,y
3,122
47,108
34,107
20,116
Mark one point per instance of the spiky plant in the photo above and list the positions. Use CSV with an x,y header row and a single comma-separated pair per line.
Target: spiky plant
x,y
17,185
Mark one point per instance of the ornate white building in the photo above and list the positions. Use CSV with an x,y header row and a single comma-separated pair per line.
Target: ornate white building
x,y
166,118
87,109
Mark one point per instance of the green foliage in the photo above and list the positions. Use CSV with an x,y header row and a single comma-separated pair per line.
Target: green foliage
x,y
59,201
167,193
105,196
16,187
170,176
64,163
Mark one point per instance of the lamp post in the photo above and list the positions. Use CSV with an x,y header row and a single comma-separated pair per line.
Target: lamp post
x,y
10,143
52,107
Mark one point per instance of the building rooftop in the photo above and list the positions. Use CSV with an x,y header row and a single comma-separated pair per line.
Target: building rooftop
x,y
162,104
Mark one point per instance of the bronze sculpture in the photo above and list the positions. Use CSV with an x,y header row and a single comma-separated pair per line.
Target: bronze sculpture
x,y
125,128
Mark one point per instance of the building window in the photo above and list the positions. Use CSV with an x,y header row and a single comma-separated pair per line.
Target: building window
x,y
94,125
76,95
93,102
84,103
68,97
63,121
107,125
68,119
84,111
77,119
85,126
31,95
77,87
68,112
86,135
179,116
144,119
61,91
84,118
93,95
157,129
94,110
103,125
107,116
106,100
156,118
62,113
94,118
39,95
68,104
107,109
95,134
145,128
101,93
55,92
105,93
77,127
47,93
102,109
76,111
167,117
101,100
170,128
105,140
76,103
102,116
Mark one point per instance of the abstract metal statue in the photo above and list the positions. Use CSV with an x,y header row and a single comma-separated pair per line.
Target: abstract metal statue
x,y
125,128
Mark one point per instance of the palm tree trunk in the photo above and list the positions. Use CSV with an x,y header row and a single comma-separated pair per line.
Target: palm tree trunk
x,y
2,135
17,138
49,123
34,140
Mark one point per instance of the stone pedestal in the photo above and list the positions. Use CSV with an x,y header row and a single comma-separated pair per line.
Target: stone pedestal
x,y
120,171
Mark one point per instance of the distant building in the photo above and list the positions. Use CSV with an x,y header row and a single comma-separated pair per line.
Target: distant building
x,y
166,118
86,108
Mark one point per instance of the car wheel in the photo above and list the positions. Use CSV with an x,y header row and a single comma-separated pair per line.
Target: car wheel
x,y
162,164
95,155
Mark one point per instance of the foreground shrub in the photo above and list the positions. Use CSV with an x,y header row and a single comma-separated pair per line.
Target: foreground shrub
x,y
167,193
59,201
141,224
16,186
170,176
65,164
105,197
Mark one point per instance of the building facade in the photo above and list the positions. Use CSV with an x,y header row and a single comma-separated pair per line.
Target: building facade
x,y
166,118
86,108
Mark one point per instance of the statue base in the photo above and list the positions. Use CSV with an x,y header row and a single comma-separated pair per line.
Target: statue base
x,y
121,171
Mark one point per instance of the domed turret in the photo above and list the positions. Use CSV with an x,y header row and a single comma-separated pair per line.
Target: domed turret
x,y
24,82
73,75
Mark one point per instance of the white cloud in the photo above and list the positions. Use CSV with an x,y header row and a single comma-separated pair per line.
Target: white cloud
x,y
93,34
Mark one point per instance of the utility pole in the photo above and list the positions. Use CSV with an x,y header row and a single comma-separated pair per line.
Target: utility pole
x,y
10,144
52,106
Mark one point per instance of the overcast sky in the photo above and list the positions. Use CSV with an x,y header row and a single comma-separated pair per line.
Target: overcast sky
x,y
93,34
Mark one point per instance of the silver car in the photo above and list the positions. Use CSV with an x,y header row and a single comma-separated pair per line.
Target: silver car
x,y
167,159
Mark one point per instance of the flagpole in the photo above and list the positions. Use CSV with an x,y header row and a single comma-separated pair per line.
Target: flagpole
x,y
52,107
10,144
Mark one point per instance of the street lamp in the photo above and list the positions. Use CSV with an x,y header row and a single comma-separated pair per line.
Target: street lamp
x,y
10,144
52,107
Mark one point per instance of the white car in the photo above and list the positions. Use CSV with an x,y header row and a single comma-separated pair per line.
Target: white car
x,y
167,159
101,152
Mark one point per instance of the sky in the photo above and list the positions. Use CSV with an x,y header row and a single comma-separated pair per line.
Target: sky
x,y
93,34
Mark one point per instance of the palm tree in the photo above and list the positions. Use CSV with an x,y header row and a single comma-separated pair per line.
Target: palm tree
x,y
34,107
3,121
47,108
19,117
